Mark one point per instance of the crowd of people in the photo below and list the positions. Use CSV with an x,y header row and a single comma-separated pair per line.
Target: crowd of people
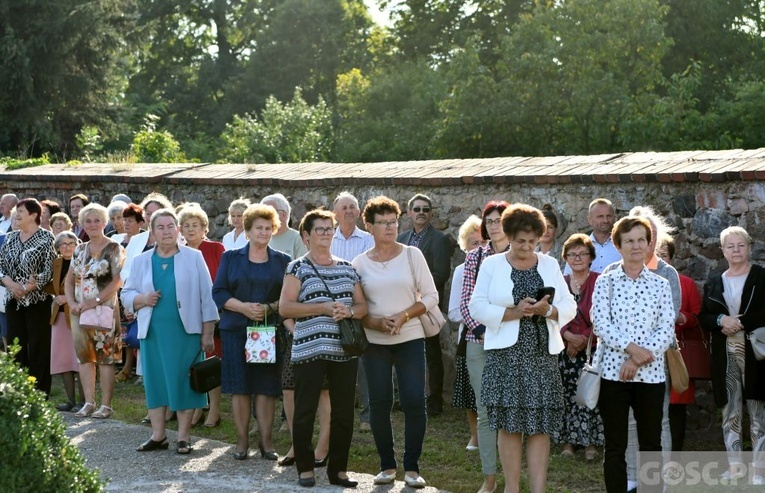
x,y
531,306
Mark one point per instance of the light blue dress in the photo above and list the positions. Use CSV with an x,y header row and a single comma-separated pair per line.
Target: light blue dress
x,y
168,351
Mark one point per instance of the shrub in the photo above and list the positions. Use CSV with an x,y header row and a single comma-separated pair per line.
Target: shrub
x,y
153,146
14,163
36,453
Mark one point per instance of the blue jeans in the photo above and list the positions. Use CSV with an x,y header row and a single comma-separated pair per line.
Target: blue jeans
x,y
408,358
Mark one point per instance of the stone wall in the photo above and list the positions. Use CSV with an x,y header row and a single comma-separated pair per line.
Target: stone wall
x,y
698,197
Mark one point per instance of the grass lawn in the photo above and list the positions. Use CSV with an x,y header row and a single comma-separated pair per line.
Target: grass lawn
x,y
445,463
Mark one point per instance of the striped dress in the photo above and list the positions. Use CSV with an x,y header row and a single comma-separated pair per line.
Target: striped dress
x,y
318,337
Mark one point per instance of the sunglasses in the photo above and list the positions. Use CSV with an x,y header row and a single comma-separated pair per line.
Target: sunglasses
x,y
421,209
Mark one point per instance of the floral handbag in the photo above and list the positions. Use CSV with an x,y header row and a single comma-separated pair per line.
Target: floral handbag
x,y
260,345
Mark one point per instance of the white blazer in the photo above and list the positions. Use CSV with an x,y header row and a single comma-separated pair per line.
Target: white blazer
x,y
494,293
193,289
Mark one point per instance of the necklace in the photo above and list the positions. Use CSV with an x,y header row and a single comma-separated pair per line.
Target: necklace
x,y
382,262
312,258
577,283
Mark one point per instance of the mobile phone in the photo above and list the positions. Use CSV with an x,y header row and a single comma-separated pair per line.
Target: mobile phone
x,y
542,292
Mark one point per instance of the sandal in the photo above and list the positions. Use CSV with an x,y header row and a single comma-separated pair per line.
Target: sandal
x,y
183,447
122,377
86,410
103,412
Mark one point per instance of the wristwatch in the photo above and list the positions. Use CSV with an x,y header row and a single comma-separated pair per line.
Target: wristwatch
x,y
98,300
549,312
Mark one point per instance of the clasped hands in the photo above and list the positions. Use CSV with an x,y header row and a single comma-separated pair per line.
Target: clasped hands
x,y
731,325
639,357
20,290
528,307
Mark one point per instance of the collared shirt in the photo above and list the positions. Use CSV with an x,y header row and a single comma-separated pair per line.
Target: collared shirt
x,y
348,248
468,286
5,225
605,255
416,237
626,310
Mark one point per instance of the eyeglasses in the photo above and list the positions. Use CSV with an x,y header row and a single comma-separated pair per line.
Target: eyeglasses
x,y
493,222
386,224
67,244
577,256
324,231
421,209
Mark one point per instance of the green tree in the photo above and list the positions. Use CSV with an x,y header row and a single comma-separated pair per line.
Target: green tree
x,y
294,132
156,146
59,70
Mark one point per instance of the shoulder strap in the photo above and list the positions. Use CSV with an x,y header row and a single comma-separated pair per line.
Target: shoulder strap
x,y
411,270
320,278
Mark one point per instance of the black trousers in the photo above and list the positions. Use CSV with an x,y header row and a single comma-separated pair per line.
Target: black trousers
x,y
435,373
309,377
31,326
616,399
677,421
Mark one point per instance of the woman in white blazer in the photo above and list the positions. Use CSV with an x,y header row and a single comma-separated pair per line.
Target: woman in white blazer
x,y
170,291
521,385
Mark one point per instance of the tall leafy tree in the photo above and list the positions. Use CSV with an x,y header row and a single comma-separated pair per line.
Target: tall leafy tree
x,y
60,69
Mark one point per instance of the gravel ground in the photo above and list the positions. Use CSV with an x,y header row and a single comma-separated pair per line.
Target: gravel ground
x,y
109,446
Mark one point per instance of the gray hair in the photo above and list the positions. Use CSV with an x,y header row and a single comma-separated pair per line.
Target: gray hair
x,y
93,209
62,236
280,200
165,212
241,204
116,208
345,195
663,228
734,230
159,199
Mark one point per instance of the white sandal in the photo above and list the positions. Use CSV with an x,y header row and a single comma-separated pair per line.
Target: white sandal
x,y
103,412
86,410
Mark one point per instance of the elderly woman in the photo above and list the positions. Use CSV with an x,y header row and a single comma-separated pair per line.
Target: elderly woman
x,y
732,307
117,220
170,293
60,222
236,238
132,221
93,281
26,266
391,273
521,386
491,230
319,290
548,243
49,207
194,228
247,289
464,398
285,239
63,357
634,319
582,427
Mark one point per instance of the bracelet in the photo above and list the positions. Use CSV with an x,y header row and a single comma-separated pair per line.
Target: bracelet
x,y
719,320
549,312
406,314
350,309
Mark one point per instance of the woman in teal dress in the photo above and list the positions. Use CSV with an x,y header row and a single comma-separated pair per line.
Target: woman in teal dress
x,y
170,291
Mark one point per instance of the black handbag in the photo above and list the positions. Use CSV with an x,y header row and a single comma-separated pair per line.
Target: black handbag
x,y
353,339
205,375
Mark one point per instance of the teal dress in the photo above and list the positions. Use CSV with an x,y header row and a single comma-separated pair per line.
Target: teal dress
x,y
168,351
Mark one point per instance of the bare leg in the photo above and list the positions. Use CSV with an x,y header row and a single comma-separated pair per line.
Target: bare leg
x,y
472,419
106,373
79,388
325,413
213,415
240,408
538,458
288,398
265,407
157,417
510,450
88,379
184,424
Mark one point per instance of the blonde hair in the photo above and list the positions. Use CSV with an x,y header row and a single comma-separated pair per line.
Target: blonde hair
x,y
471,225
260,211
193,211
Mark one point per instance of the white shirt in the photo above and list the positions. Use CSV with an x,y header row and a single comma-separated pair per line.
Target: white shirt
x,y
5,225
230,243
626,310
353,246
605,255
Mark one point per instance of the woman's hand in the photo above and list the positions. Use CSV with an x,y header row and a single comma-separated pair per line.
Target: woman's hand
x,y
340,311
640,355
255,311
628,371
207,343
151,299
526,307
16,289
394,322
541,307
575,343
60,300
731,325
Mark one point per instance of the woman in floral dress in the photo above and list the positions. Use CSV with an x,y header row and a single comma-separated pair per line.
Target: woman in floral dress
x,y
93,279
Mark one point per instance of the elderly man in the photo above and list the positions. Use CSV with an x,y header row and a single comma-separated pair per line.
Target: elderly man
x,y
601,218
7,203
348,242
285,239
437,249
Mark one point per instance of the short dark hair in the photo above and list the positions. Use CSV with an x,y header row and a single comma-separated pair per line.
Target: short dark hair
x,y
306,224
380,205
579,239
52,206
519,218
627,224
135,211
419,196
494,205
669,242
32,206
82,197
549,214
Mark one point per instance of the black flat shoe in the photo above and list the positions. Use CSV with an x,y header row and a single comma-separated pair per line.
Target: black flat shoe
x,y
183,447
267,454
344,482
320,462
65,406
307,482
150,445
286,461
241,455
199,422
